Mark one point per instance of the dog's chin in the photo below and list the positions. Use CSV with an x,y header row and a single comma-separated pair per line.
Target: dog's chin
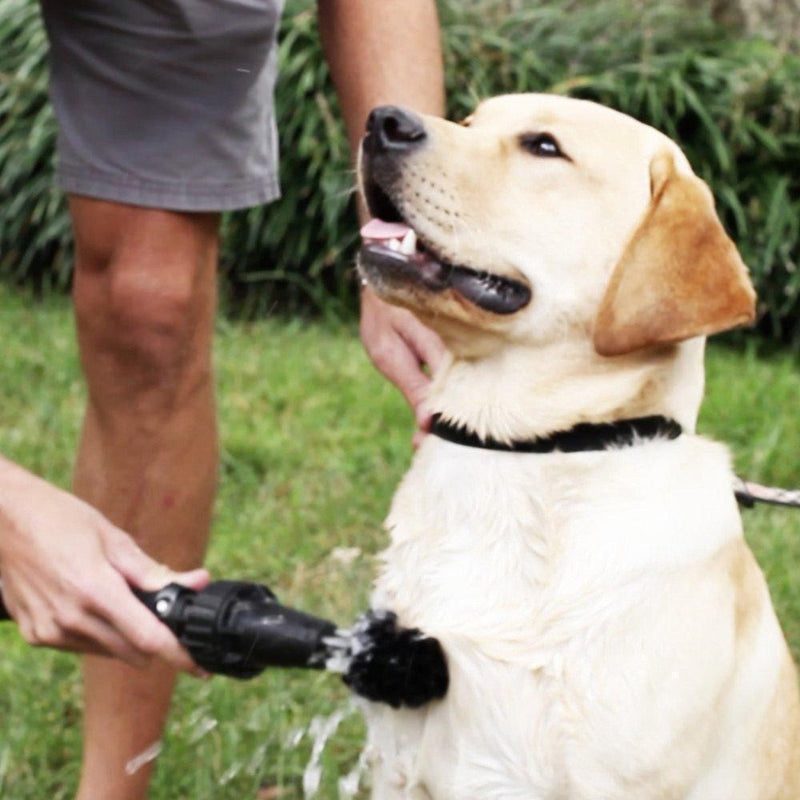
x,y
403,276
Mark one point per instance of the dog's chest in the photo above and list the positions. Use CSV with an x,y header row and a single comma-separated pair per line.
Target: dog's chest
x,y
512,549
528,569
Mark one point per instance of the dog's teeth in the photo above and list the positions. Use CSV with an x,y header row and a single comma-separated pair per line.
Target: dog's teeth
x,y
409,244
393,244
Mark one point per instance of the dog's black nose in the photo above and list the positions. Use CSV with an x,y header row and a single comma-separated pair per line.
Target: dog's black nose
x,y
390,128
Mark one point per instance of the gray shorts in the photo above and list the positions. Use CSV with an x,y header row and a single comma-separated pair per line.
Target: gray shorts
x,y
165,103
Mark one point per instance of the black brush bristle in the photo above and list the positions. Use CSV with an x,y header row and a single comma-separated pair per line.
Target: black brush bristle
x,y
398,666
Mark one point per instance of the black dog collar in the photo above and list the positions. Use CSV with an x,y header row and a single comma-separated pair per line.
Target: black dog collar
x,y
582,437
602,436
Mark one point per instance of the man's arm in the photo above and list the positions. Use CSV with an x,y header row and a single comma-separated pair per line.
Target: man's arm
x,y
387,52
382,51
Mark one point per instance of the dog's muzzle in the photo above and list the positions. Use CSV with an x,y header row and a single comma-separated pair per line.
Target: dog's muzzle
x,y
393,253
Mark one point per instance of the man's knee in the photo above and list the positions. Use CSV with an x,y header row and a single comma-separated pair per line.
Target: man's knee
x,y
144,295
134,319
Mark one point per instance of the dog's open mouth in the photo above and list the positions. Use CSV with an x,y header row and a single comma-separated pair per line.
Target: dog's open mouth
x,y
394,251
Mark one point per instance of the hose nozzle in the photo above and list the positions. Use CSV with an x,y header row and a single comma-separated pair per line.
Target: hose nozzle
x,y
239,629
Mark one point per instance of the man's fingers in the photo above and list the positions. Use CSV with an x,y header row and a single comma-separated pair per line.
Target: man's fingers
x,y
429,349
402,367
160,575
399,344
144,572
427,345
149,641
148,637
126,556
96,636
72,643
70,627
146,634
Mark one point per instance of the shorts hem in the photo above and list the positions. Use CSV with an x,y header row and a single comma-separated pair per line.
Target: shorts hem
x,y
172,196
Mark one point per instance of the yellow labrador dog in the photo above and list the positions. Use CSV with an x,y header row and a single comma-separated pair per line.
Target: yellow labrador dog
x,y
572,542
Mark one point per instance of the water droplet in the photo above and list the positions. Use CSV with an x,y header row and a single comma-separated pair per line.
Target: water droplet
x,y
320,730
145,757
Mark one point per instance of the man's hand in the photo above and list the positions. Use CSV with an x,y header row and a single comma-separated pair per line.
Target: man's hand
x,y
400,346
67,573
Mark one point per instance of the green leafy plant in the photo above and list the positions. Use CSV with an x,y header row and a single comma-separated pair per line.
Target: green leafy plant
x,y
733,104
34,229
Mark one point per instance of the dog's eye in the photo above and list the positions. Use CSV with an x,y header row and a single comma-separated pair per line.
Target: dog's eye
x,y
541,144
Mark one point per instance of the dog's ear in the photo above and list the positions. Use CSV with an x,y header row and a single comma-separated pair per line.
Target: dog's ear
x,y
680,275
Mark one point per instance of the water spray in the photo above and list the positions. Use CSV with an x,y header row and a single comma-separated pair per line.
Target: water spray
x,y
240,629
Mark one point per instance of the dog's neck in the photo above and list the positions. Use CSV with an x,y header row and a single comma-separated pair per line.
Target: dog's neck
x,y
521,393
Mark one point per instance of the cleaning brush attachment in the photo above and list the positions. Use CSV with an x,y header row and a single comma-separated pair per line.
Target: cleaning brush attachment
x,y
239,629
383,662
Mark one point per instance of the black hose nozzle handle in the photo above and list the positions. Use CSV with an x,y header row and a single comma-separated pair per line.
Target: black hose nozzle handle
x,y
236,628
239,629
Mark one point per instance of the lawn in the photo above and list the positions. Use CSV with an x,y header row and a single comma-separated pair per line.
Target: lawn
x,y
314,442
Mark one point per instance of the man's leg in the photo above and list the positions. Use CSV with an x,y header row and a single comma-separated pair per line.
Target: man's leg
x,y
145,297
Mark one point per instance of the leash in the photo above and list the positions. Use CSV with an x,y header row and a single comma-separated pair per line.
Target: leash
x,y
588,436
749,493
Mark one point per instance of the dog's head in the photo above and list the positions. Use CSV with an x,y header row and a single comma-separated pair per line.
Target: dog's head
x,y
539,218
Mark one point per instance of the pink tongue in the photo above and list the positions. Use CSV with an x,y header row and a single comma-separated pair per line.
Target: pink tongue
x,y
378,229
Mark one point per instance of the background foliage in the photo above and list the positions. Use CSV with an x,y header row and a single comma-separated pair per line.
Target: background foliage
x,y
733,104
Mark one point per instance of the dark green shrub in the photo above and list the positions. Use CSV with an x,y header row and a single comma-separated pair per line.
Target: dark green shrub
x,y
34,229
733,104
300,251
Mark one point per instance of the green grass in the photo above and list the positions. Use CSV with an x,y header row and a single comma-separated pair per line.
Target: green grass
x,y
314,442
